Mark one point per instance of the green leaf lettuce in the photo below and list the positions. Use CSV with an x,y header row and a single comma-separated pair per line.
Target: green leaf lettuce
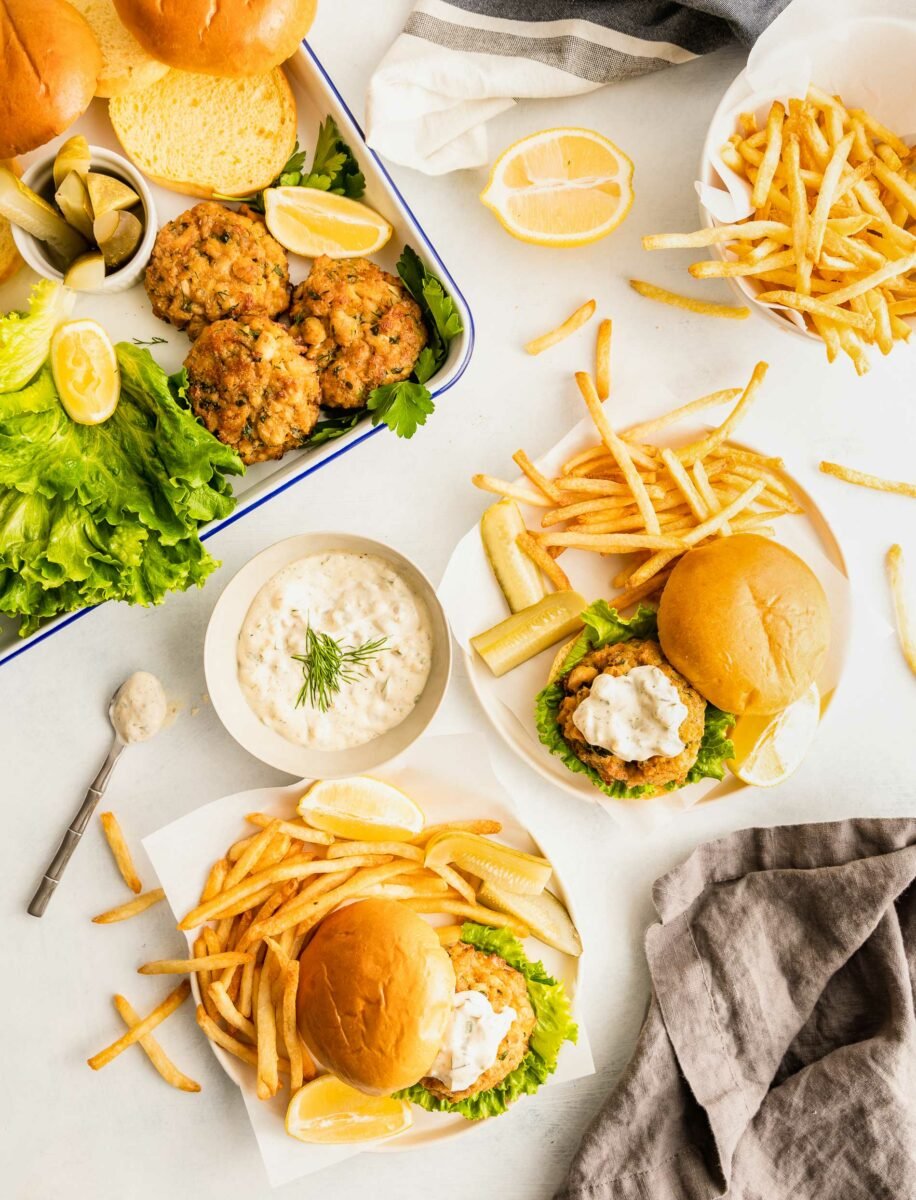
x,y
25,337
605,627
554,1026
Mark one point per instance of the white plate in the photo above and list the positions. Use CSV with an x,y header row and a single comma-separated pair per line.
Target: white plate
x,y
452,779
221,663
473,602
127,315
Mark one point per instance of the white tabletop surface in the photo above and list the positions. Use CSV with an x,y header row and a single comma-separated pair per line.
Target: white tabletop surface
x,y
67,1131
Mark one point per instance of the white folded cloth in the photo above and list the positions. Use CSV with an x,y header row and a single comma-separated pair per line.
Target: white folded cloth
x,y
458,64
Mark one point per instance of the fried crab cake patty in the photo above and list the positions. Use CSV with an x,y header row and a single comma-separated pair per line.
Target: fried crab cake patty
x,y
619,660
504,987
360,325
211,263
252,386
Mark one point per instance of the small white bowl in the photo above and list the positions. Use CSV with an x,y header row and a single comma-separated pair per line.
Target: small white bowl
x,y
39,177
221,663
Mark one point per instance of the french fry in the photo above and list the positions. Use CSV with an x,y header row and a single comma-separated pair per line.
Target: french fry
x,y
247,860
232,1044
482,827
717,269
717,234
603,360
539,556
499,487
573,322
143,1027
215,880
268,1079
153,1051
825,197
652,292
695,501
184,966
830,310
612,543
771,157
293,829
905,630
307,910
862,479
124,912
119,850
395,849
227,1010
540,481
290,1026
631,596
456,881
620,451
701,448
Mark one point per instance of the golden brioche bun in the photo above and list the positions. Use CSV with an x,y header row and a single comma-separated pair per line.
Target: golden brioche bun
x,y
746,622
232,38
375,995
51,64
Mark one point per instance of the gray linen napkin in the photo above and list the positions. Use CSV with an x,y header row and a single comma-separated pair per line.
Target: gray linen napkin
x,y
778,1057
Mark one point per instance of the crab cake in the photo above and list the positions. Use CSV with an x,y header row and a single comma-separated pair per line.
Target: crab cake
x,y
619,659
360,326
504,987
212,263
251,385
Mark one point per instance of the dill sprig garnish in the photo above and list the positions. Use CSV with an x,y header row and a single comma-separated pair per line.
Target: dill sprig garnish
x,y
327,665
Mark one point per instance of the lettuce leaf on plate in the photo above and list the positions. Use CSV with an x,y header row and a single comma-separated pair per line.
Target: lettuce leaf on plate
x,y
25,337
554,1027
105,512
605,627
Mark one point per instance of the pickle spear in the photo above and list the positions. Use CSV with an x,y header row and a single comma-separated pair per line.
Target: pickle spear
x,y
515,573
25,208
490,861
529,631
544,915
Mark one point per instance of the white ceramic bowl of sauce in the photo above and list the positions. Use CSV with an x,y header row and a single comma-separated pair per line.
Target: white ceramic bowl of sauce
x,y
233,699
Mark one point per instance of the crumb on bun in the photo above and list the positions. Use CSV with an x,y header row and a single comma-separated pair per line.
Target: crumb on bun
x,y
51,65
232,38
375,995
746,621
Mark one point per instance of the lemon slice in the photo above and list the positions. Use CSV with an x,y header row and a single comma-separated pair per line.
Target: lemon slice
x,y
494,863
561,187
85,370
329,1111
310,223
363,809
769,749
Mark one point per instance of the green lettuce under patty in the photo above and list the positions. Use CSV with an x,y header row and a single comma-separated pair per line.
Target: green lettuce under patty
x,y
553,1026
605,627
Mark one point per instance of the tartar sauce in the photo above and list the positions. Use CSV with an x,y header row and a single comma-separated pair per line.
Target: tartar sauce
x,y
636,716
471,1040
139,708
355,598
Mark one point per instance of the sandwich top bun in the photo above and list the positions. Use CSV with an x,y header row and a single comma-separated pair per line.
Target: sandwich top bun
x,y
375,995
126,67
51,63
233,37
746,622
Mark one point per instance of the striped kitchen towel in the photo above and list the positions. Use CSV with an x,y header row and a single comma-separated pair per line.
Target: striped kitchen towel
x,y
458,64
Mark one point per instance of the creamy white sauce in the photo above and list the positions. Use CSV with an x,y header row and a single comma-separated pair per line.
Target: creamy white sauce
x,y
139,708
356,598
471,1040
636,716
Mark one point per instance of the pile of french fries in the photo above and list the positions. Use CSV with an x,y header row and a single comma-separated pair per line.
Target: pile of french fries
x,y
627,495
259,904
833,231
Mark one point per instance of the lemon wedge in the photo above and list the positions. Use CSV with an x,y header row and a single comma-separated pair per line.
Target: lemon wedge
x,y
769,749
309,222
331,1112
561,187
363,809
494,863
85,370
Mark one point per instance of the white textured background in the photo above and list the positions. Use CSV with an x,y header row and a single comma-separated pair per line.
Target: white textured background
x,y
65,1131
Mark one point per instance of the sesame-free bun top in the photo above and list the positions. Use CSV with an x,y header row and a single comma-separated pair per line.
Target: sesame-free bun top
x,y
746,622
375,995
51,64
230,37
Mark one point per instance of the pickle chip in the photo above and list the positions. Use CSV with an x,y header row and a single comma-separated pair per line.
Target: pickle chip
x,y
108,194
73,155
73,201
118,235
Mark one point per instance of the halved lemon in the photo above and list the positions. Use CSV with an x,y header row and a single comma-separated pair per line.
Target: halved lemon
x,y
561,187
769,749
494,863
85,370
361,808
309,222
329,1111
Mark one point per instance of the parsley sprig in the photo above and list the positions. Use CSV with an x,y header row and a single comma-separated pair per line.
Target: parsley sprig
x,y
404,406
327,665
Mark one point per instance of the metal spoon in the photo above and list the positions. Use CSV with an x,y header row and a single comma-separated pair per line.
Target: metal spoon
x,y
127,730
